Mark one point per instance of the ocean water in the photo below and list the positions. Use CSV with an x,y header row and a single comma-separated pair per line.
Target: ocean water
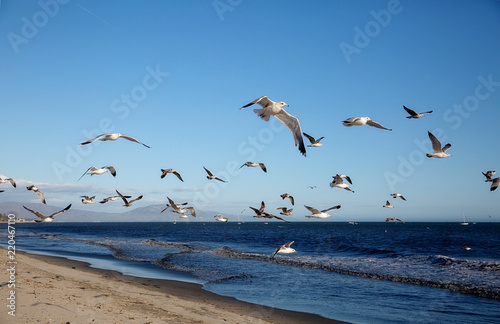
x,y
364,273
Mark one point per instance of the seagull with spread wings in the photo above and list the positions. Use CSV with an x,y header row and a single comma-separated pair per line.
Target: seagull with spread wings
x,y
93,170
164,172
338,182
255,164
271,108
210,176
285,248
127,202
314,142
112,137
438,152
287,195
415,115
5,180
316,213
46,219
388,205
360,121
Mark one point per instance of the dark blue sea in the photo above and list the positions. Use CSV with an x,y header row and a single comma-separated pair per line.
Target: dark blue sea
x,y
362,273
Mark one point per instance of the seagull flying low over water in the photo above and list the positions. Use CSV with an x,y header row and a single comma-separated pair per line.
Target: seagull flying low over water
x,y
112,137
99,171
271,108
112,198
219,218
489,174
314,142
438,152
388,204
210,176
394,219
413,114
46,219
5,180
88,200
260,213
164,172
128,203
285,211
255,164
285,248
38,192
320,214
396,195
337,182
360,121
286,195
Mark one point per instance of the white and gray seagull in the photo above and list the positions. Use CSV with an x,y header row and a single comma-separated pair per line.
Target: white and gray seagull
x,y
38,192
220,218
87,199
180,210
164,172
255,164
93,170
285,211
314,142
388,204
316,213
112,198
46,219
127,202
285,248
287,195
337,182
5,180
438,152
415,115
396,195
210,176
271,108
360,121
112,137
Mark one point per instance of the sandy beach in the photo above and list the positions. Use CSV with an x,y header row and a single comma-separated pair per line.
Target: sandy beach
x,y
57,290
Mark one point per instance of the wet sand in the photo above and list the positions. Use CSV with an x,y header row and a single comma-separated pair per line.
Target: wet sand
x,y
57,290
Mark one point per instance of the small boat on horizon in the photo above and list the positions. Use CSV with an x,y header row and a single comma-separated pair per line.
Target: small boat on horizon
x,y
464,222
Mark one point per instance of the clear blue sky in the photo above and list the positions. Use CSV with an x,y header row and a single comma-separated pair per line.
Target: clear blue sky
x,y
174,73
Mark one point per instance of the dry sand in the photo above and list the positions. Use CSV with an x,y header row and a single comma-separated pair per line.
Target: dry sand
x,y
56,290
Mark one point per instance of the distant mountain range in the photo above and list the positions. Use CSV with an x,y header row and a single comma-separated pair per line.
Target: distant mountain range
x,y
149,213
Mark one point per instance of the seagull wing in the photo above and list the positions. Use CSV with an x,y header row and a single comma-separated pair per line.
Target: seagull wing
x,y
262,207
111,169
209,173
263,101
133,140
288,245
436,144
331,208
293,125
93,140
178,175
291,200
313,210
375,124
277,217
411,112
310,138
122,197
85,173
192,211
348,179
40,194
263,167
12,182
138,198
217,178
446,147
35,212
495,184
61,211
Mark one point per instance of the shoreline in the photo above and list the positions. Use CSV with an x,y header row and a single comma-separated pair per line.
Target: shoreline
x,y
60,290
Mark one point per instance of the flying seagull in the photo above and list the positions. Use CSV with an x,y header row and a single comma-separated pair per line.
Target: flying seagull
x,y
438,152
112,137
488,175
38,192
360,121
255,164
210,176
128,203
320,214
286,195
388,204
99,171
5,180
413,114
177,209
285,248
271,108
396,195
260,213
394,219
219,218
285,211
164,172
87,199
337,182
112,198
46,219
314,142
